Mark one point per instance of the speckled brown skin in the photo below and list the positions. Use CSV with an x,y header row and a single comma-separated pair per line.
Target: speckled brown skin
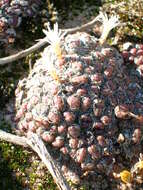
x,y
133,55
74,108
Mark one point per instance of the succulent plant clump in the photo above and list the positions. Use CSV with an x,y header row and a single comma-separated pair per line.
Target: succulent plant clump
x,y
81,101
133,55
11,14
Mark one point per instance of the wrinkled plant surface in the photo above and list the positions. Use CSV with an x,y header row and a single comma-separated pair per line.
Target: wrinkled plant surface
x,y
122,143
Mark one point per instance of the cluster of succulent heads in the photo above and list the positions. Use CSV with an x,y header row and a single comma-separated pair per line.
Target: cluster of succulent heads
x,y
80,100
11,14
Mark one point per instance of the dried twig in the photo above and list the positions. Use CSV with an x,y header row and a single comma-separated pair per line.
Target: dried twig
x,y
13,138
83,27
38,146
24,53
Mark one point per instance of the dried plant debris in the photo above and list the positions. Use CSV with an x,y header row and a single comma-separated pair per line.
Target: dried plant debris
x,y
74,13
80,99
131,14
132,178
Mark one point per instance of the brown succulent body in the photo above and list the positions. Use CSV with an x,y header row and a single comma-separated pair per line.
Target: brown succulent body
x,y
84,115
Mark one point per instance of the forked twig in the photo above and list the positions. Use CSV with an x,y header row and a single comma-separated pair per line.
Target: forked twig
x,y
38,146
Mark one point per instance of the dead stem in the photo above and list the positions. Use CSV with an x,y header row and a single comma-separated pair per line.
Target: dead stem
x,y
38,146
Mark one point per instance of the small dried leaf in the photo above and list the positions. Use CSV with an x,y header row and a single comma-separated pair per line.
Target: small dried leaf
x,y
125,176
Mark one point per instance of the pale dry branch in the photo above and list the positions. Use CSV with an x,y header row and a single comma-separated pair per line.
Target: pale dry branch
x,y
38,146
83,27
13,138
35,142
24,53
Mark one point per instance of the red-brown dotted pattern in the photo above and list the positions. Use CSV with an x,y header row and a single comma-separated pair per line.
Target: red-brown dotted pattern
x,y
85,114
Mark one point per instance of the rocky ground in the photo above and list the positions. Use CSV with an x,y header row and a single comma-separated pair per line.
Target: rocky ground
x,y
19,168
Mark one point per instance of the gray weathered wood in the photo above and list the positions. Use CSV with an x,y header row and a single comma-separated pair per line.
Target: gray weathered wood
x,y
38,146
13,138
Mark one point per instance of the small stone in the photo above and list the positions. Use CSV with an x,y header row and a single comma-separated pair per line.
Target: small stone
x,y
58,142
48,137
79,80
74,131
73,102
106,120
121,138
69,117
127,45
81,154
121,111
53,118
101,140
136,135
